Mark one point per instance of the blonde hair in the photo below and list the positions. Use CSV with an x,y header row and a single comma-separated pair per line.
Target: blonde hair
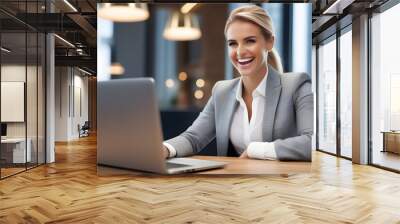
x,y
258,16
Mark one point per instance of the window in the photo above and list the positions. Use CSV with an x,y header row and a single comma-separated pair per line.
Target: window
x,y
103,42
327,96
346,94
385,87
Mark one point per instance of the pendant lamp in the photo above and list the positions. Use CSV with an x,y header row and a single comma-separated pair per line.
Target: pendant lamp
x,y
124,12
182,27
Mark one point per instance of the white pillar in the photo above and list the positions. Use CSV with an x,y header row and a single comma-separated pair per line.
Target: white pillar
x,y
50,98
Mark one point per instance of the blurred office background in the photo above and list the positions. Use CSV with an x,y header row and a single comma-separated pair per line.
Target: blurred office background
x,y
186,66
47,74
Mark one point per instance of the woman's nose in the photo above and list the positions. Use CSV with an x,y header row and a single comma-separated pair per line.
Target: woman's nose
x,y
240,51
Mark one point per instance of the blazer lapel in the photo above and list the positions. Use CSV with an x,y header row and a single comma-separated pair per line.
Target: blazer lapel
x,y
272,93
226,114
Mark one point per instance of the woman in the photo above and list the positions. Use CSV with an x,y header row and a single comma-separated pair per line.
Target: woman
x,y
263,114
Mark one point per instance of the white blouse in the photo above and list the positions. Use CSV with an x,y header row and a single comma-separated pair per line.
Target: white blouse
x,y
247,135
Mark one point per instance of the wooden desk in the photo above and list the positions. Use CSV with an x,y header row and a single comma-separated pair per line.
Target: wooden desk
x,y
235,166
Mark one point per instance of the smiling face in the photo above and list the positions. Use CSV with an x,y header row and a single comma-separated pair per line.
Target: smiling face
x,y
248,48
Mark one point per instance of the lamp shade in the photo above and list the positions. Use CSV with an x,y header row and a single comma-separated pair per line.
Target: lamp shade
x,y
124,12
182,27
116,69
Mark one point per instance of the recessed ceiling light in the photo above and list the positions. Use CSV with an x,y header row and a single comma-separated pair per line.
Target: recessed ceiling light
x,y
187,7
5,49
64,40
70,5
84,71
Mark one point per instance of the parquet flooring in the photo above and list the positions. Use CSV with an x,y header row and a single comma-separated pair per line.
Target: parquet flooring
x,y
69,191
10,171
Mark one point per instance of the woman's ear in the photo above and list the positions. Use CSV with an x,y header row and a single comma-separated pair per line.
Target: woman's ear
x,y
270,43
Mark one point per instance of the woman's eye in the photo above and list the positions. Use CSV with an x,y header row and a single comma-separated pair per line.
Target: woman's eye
x,y
251,41
231,44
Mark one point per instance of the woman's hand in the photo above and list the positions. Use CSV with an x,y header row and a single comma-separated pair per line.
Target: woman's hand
x,y
166,152
244,155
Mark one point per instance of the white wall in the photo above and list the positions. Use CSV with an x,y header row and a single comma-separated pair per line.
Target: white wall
x,y
62,81
79,112
71,93
33,126
13,73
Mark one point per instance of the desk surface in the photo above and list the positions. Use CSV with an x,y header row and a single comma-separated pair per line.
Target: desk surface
x,y
390,132
13,140
234,166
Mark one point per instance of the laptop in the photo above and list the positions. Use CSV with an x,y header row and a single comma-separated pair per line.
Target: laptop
x,y
3,131
129,131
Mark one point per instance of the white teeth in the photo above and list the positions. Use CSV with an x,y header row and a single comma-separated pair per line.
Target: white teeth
x,y
244,60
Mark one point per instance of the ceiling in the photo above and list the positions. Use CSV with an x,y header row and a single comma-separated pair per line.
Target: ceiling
x,y
33,17
329,16
79,27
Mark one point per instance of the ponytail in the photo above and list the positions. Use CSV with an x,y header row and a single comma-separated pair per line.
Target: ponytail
x,y
275,60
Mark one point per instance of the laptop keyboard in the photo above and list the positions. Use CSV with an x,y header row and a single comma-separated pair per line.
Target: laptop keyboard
x,y
175,165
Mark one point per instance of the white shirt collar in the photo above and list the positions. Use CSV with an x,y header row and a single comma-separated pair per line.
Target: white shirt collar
x,y
260,90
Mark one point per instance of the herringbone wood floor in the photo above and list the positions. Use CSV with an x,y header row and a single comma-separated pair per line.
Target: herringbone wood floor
x,y
69,191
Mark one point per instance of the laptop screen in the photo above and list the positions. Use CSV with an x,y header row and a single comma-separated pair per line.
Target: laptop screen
x,y
3,129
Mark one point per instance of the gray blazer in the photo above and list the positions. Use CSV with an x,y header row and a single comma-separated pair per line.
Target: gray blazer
x,y
288,118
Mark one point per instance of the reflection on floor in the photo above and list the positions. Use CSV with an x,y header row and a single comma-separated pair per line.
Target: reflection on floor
x,y
387,159
347,152
10,169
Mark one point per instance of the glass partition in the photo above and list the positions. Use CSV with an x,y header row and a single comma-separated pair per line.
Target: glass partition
x,y
14,153
22,77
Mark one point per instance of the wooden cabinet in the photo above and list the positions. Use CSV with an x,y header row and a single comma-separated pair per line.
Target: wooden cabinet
x,y
391,142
